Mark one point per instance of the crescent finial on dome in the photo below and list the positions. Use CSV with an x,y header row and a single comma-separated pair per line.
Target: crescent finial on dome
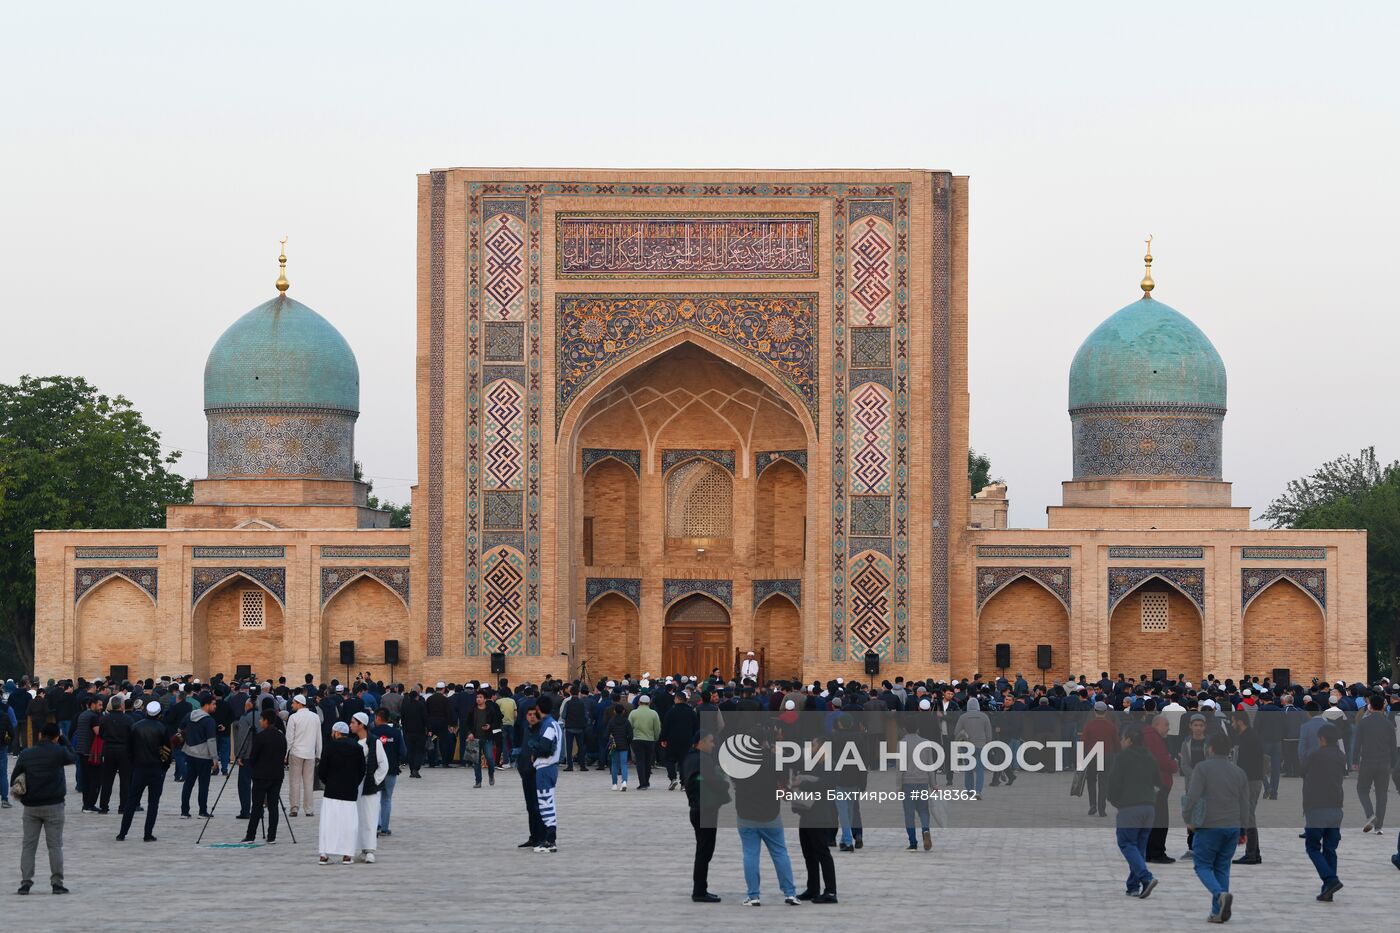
x,y
1147,283
282,283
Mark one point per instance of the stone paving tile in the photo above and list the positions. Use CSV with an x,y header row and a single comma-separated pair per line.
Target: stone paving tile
x,y
625,859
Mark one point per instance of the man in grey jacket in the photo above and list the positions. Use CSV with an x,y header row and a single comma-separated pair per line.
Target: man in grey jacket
x,y
975,727
201,751
1216,805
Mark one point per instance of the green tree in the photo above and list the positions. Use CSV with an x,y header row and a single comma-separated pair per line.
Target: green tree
x,y
70,457
399,515
1357,492
979,471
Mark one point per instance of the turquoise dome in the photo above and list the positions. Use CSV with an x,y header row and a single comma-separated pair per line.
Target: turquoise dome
x,y
282,355
1147,355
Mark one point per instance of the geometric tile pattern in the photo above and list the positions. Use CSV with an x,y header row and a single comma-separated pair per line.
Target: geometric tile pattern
x,y
872,241
116,553
792,589
504,285
502,509
721,591
1156,553
763,459
503,610
1122,443
504,464
1312,580
870,440
595,332
628,589
991,580
281,443
85,578
1022,550
631,458
504,342
364,550
334,579
1123,580
437,380
870,515
680,247
872,598
723,458
272,579
237,553
1283,553
870,347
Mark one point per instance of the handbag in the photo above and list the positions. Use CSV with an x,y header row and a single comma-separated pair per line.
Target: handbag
x,y
95,753
1076,787
19,786
471,750
1196,815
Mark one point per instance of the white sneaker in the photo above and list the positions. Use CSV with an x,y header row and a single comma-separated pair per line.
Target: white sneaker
x,y
1187,856
624,785
751,902
369,858
542,847
792,901
614,787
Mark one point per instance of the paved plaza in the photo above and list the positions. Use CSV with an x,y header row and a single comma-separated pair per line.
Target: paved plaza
x,y
625,860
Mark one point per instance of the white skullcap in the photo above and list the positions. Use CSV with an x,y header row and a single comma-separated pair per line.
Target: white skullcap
x,y
340,688
645,682
750,654
298,698
611,684
840,680
361,717
644,699
789,704
152,708
341,728
441,685
925,704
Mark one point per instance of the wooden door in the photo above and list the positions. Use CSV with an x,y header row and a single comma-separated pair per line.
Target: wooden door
x,y
695,649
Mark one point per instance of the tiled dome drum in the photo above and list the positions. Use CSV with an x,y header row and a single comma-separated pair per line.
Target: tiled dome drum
x,y
281,394
1147,397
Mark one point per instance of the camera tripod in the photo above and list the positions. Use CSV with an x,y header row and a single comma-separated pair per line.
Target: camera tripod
x,y
238,755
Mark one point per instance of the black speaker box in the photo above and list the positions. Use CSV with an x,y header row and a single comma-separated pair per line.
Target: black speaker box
x,y
391,651
498,662
872,664
347,653
1003,655
1044,657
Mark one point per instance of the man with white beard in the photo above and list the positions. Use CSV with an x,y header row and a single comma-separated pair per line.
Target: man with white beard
x,y
376,770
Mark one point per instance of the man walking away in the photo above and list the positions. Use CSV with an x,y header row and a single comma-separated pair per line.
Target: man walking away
x,y
115,730
1375,747
706,791
760,824
678,730
342,771
575,712
1101,735
1154,740
1133,782
201,751
376,770
45,787
303,748
413,717
1249,755
646,731
1217,803
266,758
1323,772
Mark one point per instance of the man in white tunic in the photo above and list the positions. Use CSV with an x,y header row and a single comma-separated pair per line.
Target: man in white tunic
x,y
343,775
748,670
376,770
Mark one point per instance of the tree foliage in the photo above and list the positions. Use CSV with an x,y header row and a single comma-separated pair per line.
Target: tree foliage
x,y
399,515
1357,492
979,471
70,457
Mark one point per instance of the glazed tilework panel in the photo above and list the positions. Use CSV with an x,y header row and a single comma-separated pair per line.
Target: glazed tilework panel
x,y
364,550
595,332
762,589
203,552
870,515
504,341
1043,551
592,455
282,444
503,285
721,590
670,458
680,246
872,604
872,263
273,579
503,602
502,510
870,347
1127,552
86,578
504,455
437,380
872,414
1283,553
116,553
766,458
335,579
1313,580
1123,580
992,580
1143,444
630,589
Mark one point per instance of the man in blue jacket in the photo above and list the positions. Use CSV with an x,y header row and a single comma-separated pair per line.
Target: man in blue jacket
x,y
545,747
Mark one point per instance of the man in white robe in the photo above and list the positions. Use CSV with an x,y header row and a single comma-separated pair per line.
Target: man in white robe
x,y
342,772
748,670
376,770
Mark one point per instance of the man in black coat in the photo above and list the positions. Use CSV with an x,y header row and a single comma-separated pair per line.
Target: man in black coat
x,y
45,789
413,719
1249,755
1375,752
678,729
266,759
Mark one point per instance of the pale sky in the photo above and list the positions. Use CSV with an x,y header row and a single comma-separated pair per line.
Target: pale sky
x,y
151,155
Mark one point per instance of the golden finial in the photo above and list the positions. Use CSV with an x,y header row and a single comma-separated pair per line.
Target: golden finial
x,y
1147,283
282,283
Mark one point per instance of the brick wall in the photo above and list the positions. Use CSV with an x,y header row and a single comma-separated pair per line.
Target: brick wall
x,y
781,515
1133,651
116,625
1283,628
366,612
220,644
610,642
610,499
1024,615
777,631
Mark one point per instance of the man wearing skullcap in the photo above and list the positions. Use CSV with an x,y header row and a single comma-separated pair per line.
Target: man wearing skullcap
x,y
376,772
150,756
342,773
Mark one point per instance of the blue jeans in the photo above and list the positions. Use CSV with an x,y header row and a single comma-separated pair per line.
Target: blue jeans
x,y
487,747
1321,834
1212,850
1275,752
64,727
979,773
223,744
770,835
915,807
180,764
386,801
1134,825
5,774
845,814
618,764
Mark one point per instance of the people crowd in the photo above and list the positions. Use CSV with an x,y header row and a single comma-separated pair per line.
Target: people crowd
x,y
1223,745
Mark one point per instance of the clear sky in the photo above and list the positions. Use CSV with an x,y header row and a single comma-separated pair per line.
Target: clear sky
x,y
151,155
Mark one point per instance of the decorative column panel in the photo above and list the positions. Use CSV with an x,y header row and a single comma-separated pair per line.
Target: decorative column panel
x,y
437,362
876,552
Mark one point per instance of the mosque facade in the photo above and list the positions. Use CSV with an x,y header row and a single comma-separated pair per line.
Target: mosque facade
x,y
665,417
